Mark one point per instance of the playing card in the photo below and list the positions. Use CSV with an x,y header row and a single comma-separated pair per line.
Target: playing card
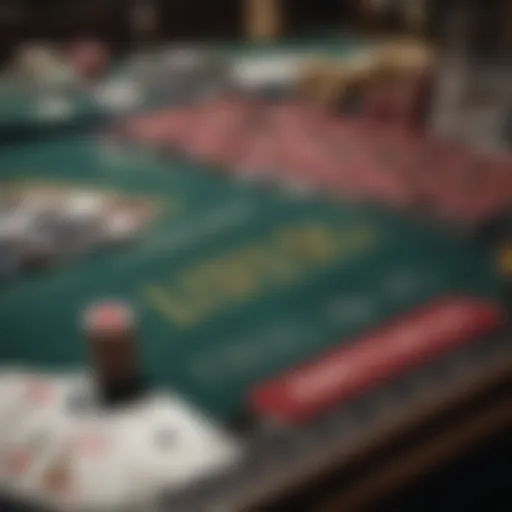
x,y
12,411
27,455
31,404
9,377
89,471
18,392
171,445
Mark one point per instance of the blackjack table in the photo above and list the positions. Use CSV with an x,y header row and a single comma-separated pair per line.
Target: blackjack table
x,y
332,315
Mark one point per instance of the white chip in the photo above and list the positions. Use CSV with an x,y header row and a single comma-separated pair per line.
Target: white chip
x,y
84,205
119,95
260,71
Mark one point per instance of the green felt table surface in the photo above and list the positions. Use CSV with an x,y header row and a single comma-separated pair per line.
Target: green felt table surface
x,y
231,283
23,107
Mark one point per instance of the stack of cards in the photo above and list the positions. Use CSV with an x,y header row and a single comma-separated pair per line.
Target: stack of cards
x,y
59,449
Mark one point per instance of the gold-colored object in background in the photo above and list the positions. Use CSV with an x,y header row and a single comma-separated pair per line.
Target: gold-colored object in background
x,y
327,82
263,19
505,261
401,56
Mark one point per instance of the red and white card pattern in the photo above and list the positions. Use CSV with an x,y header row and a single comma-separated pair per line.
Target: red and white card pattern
x,y
296,146
94,460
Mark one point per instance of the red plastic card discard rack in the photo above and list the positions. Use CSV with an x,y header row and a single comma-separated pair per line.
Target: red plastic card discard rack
x,y
381,355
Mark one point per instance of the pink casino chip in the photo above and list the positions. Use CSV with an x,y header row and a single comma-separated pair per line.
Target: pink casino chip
x,y
108,317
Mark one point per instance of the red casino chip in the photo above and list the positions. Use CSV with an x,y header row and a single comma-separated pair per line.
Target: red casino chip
x,y
108,318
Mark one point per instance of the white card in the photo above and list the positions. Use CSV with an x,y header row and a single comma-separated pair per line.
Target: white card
x,y
173,445
90,471
26,420
20,391
28,455
10,393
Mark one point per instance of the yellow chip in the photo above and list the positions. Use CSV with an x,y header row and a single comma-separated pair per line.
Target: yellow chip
x,y
505,260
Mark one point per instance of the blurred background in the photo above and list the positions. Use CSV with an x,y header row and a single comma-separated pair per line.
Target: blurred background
x,y
474,38
120,23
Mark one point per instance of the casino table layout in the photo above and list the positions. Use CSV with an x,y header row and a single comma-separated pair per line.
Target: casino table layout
x,y
251,299
231,284
24,107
